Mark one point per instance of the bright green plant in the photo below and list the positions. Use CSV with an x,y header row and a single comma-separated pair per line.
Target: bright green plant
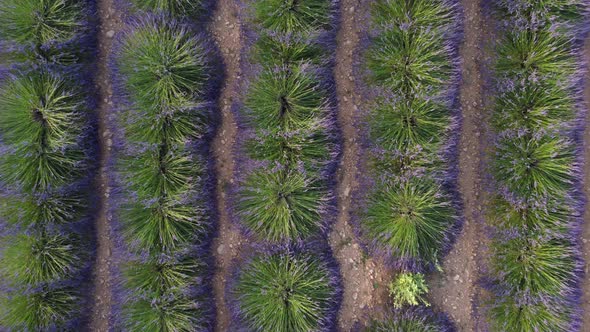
x,y
407,124
168,312
548,316
408,289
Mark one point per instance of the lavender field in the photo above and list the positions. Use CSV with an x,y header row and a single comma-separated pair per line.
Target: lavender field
x,y
294,165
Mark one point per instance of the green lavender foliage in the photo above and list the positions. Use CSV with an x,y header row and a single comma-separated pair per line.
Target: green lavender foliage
x,y
546,316
401,125
43,116
50,258
169,312
409,219
292,16
43,310
281,205
284,292
162,302
45,29
414,321
409,61
165,71
533,105
538,51
534,166
533,266
534,263
175,8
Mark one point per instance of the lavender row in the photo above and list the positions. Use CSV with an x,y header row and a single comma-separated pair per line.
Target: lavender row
x,y
166,85
47,145
407,210
536,204
286,155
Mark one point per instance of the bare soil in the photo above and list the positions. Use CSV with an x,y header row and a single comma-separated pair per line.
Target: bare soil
x,y
364,279
225,28
586,226
456,290
110,23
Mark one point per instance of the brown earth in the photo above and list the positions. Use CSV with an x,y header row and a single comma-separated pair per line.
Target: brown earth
x,y
455,291
586,226
364,279
110,23
225,28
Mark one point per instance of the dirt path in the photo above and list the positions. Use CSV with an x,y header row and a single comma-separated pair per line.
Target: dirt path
x,y
455,290
364,280
225,29
110,23
586,226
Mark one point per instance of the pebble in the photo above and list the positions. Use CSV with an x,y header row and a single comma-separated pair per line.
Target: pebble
x,y
220,249
111,33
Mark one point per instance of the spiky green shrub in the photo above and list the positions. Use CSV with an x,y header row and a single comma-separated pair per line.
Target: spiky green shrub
x,y
43,28
417,14
284,292
409,220
533,166
408,289
292,16
534,267
45,310
176,8
285,99
281,205
414,320
509,314
409,61
287,108
402,125
280,50
533,105
42,120
551,217
162,300
534,263
164,71
50,258
536,51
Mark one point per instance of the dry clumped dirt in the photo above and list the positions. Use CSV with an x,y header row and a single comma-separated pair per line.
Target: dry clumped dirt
x,y
364,279
225,29
456,290
109,24
586,226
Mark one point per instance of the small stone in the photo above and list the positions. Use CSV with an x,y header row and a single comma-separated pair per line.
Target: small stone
x,y
220,249
111,33
457,277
